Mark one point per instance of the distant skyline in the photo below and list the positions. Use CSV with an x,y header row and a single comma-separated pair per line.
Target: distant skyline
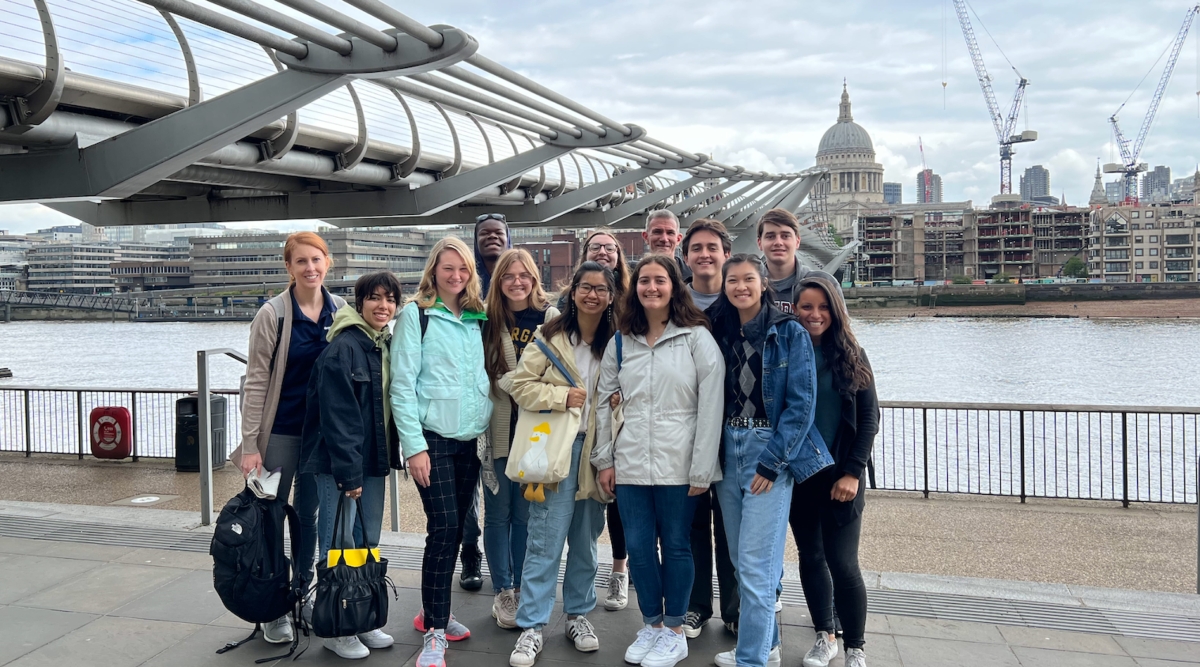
x,y
758,84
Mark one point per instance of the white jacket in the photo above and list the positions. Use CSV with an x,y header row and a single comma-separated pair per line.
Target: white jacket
x,y
673,401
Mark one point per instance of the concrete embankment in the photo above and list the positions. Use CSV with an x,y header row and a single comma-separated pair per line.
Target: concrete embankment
x,y
1142,300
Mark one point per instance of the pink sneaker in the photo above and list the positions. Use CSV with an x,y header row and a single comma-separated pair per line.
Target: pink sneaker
x,y
455,631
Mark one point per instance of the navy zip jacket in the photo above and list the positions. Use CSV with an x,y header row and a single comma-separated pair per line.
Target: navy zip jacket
x,y
344,433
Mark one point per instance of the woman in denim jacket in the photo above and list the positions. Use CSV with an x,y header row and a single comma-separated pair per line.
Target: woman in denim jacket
x,y
769,444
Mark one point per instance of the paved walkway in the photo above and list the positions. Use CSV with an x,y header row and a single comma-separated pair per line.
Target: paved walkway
x,y
1145,547
67,600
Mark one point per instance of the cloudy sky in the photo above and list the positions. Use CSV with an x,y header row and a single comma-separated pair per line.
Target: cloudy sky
x,y
757,83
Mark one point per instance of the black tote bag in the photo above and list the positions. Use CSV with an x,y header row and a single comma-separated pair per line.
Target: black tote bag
x,y
352,587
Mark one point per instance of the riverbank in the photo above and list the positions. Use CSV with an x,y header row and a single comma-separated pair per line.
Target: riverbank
x,y
1138,309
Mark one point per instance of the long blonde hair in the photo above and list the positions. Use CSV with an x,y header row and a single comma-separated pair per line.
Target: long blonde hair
x,y
500,318
427,294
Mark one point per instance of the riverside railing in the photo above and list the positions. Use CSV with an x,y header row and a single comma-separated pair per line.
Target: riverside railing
x,y
1089,452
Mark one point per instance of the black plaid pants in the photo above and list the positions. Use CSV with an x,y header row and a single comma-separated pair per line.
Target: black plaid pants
x,y
453,474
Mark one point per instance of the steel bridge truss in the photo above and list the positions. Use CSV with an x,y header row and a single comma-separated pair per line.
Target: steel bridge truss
x,y
386,122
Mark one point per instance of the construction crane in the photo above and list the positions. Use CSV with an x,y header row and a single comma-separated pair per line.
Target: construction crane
x,y
1131,150
1005,125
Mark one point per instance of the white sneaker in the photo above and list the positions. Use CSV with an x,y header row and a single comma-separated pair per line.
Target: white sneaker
x,y
618,591
347,647
729,658
279,631
668,651
778,605
641,646
580,631
525,653
376,638
823,650
504,609
856,658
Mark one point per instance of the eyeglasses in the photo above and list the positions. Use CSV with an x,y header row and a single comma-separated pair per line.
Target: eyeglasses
x,y
491,216
609,248
509,278
585,289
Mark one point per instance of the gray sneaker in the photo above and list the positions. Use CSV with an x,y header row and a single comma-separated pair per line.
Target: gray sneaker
x,y
823,650
504,609
279,631
433,650
618,591
856,658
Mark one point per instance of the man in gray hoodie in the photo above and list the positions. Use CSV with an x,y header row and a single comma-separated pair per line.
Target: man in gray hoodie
x,y
779,240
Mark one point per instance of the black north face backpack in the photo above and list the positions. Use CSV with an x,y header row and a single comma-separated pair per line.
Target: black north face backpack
x,y
252,573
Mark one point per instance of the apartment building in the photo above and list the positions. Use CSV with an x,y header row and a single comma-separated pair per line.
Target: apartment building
x,y
1145,243
82,268
932,243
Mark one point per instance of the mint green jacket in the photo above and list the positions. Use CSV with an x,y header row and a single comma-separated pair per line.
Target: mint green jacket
x,y
438,381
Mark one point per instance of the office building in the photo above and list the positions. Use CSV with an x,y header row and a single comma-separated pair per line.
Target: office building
x,y
1156,185
934,187
893,193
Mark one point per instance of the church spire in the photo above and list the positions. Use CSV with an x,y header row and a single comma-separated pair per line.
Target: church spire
x,y
1098,197
844,108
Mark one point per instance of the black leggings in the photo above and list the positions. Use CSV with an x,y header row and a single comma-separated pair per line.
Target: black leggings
x,y
616,532
829,569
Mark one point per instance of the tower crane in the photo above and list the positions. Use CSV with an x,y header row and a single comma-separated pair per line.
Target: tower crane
x,y
1005,125
1131,150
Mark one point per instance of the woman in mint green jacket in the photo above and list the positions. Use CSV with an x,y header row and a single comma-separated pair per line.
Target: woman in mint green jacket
x,y
440,401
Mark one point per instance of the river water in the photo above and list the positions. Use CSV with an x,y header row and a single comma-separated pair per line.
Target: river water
x,y
1103,361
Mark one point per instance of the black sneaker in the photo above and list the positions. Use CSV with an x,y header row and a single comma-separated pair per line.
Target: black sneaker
x,y
471,578
693,623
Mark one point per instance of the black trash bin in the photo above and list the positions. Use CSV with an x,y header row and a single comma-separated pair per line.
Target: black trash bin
x,y
187,433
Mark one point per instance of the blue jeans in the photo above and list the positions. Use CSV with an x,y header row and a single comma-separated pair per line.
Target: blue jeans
x,y
505,516
756,527
654,515
561,519
372,502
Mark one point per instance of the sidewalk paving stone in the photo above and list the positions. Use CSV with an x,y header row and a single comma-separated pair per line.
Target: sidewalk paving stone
x,y
202,605
26,629
103,589
109,642
1040,657
1159,649
926,652
24,575
1059,640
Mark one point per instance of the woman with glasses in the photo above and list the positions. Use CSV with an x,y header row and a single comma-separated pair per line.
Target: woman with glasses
x,y
516,308
571,513
670,374
603,248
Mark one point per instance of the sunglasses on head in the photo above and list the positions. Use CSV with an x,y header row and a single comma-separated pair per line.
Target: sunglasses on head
x,y
491,216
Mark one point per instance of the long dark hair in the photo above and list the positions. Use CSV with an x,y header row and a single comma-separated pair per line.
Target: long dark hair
x,y
681,309
850,372
726,322
568,321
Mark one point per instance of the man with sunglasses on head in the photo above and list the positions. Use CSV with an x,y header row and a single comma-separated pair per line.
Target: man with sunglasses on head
x,y
491,240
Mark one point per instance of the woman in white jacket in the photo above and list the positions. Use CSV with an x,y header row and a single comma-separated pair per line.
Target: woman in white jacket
x,y
670,374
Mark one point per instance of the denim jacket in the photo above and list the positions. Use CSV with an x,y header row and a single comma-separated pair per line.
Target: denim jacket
x,y
789,383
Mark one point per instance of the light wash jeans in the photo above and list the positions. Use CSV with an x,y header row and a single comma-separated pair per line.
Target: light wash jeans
x,y
756,527
505,532
561,519
372,502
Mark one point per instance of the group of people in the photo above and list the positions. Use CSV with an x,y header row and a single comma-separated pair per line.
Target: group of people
x,y
721,395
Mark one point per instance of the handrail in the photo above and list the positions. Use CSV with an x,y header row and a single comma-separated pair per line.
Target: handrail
x,y
203,409
1041,407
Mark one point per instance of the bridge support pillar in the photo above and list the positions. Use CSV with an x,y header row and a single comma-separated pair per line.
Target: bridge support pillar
x,y
7,312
